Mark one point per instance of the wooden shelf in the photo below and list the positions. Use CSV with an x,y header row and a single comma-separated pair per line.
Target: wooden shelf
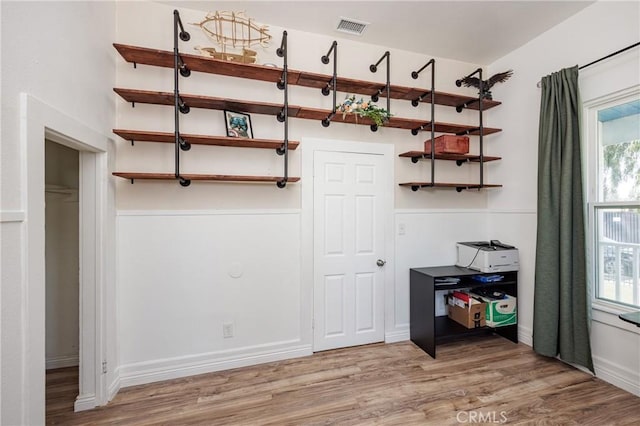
x,y
203,177
162,137
452,157
208,102
459,186
164,58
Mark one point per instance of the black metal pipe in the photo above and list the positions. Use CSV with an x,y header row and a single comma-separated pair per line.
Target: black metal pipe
x,y
470,102
325,58
179,106
432,157
433,140
374,68
388,82
282,52
480,97
176,92
415,74
334,80
481,125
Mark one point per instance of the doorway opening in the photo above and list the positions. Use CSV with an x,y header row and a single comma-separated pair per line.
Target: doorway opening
x,y
96,217
62,275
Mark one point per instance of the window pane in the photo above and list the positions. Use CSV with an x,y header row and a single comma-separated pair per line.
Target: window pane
x,y
619,152
618,254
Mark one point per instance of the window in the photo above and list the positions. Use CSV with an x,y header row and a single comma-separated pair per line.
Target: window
x,y
613,139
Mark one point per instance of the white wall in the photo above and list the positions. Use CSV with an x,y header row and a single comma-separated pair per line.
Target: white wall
x,y
429,239
54,51
61,255
590,34
197,222
183,274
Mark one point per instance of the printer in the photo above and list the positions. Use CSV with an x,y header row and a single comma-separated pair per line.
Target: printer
x,y
487,256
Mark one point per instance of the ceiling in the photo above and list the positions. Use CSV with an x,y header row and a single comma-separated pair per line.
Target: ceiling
x,y
471,31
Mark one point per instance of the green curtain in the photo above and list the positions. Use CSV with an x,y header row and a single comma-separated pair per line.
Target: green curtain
x,y
561,320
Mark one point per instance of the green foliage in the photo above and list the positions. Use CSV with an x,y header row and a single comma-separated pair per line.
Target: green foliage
x,y
621,163
363,108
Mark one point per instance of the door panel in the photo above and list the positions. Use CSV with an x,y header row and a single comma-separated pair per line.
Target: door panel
x,y
348,240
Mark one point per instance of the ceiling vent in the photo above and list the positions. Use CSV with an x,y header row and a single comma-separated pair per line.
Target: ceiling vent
x,y
351,26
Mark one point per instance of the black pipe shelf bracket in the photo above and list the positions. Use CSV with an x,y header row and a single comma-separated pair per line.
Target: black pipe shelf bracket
x,y
179,68
283,117
387,88
480,128
432,155
331,85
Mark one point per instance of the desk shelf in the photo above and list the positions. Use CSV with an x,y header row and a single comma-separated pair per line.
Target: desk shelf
x,y
427,329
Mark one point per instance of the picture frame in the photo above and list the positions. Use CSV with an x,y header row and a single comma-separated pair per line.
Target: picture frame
x,y
238,124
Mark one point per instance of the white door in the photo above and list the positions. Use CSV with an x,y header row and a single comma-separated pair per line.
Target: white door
x,y
348,234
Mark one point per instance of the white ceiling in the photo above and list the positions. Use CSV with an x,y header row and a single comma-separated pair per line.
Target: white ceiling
x,y
471,31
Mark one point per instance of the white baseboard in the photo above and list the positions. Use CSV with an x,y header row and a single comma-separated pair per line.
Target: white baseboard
x,y
62,362
83,403
617,375
166,369
396,336
525,335
12,216
114,387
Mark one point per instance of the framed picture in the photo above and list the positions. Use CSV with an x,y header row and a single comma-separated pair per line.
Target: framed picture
x,y
238,124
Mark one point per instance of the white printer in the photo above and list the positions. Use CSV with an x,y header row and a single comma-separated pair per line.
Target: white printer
x,y
487,256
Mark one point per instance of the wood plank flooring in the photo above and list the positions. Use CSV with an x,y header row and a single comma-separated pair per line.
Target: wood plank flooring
x,y
485,380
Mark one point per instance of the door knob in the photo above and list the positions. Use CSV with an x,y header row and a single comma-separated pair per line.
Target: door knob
x,y
381,262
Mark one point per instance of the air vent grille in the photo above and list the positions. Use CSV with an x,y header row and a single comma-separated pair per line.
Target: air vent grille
x,y
351,26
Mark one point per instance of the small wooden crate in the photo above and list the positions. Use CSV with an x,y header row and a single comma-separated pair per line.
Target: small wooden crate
x,y
449,144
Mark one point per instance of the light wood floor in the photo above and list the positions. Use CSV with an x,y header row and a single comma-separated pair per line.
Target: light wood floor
x,y
489,379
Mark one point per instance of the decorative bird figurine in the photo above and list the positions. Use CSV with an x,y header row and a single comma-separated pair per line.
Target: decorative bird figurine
x,y
486,84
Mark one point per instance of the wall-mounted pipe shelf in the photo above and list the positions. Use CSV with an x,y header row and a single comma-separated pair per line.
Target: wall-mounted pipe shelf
x,y
163,58
458,186
458,158
132,176
182,105
162,137
209,102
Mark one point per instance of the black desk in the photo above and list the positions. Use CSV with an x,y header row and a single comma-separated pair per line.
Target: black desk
x,y
632,317
426,329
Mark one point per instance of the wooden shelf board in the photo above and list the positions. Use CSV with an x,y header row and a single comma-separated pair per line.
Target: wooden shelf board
x,y
202,177
453,157
162,137
209,102
448,185
164,58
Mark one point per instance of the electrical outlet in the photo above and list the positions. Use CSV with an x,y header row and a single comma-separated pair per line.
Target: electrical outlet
x,y
227,329
401,229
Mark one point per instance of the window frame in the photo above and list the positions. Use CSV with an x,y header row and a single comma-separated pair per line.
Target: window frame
x,y
591,156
